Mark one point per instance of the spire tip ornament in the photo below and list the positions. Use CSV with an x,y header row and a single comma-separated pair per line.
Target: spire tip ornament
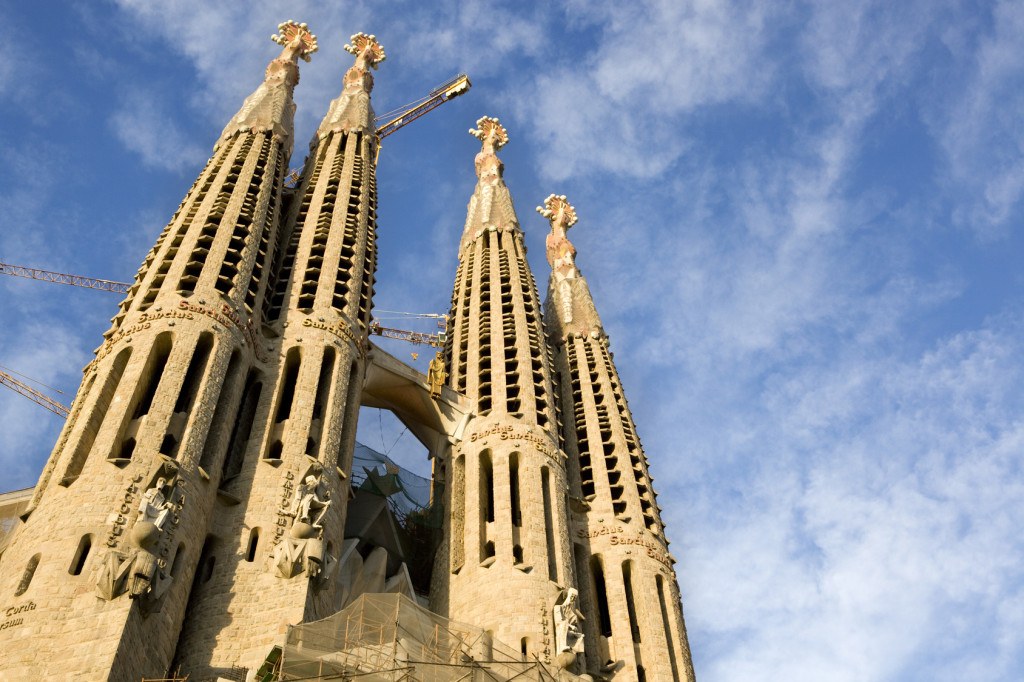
x,y
491,133
296,39
367,50
558,211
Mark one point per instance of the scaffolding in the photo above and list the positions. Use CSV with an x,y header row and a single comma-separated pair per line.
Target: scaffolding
x,y
390,638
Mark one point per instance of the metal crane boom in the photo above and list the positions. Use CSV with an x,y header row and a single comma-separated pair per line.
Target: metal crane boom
x,y
434,340
33,395
64,278
438,96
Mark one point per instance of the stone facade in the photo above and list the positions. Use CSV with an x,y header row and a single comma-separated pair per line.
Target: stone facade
x,y
195,503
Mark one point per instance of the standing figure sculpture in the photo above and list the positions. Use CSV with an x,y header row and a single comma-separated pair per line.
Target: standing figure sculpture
x,y
436,375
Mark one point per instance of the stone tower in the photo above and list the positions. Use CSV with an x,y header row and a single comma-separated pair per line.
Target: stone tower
x,y
116,532
504,559
279,522
633,619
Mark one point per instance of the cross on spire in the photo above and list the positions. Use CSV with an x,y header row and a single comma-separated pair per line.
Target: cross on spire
x,y
491,133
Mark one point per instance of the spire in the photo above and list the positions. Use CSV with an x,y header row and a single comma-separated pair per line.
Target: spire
x,y
351,111
271,107
570,308
490,207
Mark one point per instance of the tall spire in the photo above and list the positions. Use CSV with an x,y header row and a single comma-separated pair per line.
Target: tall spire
x,y
351,110
270,108
569,305
491,204
627,596
505,480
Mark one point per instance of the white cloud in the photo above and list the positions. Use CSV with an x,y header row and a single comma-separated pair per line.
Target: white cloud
x,y
145,129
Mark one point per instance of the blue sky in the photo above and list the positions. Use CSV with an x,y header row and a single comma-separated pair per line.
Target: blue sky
x,y
801,223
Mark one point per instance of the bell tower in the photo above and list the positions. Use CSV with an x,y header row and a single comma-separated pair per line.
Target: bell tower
x,y
633,618
113,536
505,554
272,550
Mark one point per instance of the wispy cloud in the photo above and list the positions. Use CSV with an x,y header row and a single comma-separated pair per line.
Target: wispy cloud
x,y
144,129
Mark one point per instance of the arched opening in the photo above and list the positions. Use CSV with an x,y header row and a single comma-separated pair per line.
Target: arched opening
x,y
81,554
253,544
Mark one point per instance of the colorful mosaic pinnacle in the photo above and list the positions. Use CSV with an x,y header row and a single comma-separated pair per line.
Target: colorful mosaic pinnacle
x,y
558,211
297,36
490,131
367,49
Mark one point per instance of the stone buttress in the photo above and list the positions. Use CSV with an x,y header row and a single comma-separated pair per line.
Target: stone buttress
x,y
114,533
633,619
274,546
505,559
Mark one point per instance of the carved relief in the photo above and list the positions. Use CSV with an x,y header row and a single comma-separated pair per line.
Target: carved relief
x,y
140,569
568,635
302,550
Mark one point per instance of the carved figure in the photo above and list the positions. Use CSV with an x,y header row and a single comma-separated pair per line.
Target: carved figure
x,y
156,506
436,375
307,502
568,636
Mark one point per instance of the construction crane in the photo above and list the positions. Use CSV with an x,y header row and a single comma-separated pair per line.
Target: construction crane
x,y
450,89
435,340
64,278
33,395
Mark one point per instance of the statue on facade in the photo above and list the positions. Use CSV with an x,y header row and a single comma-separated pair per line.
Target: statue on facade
x,y
568,635
308,506
155,506
436,375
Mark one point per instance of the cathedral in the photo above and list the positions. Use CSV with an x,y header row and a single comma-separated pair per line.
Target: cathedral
x,y
198,516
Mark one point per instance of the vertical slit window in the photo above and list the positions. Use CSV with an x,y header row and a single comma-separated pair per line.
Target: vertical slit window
x,y
486,492
218,433
604,618
323,391
235,452
194,374
627,579
665,625
288,381
513,477
549,524
99,411
346,440
151,375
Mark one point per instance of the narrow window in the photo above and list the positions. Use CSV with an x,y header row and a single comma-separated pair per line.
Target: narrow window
x,y
218,434
254,541
288,381
523,646
513,477
151,375
665,625
26,577
627,579
81,554
235,454
194,374
549,530
99,411
604,618
485,490
348,425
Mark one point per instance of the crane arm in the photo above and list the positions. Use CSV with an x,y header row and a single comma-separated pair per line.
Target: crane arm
x,y
434,340
64,278
441,94
33,395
